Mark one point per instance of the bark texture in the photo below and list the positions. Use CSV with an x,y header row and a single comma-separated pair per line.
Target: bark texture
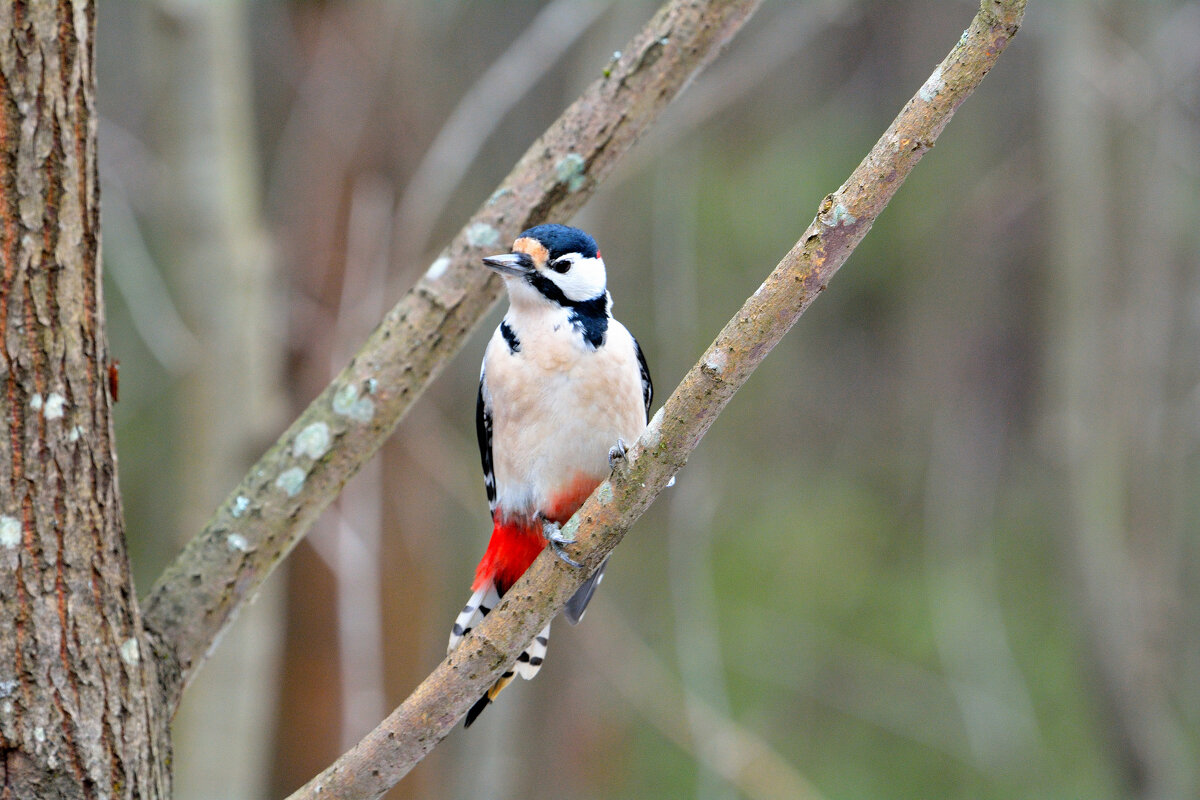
x,y
386,754
78,703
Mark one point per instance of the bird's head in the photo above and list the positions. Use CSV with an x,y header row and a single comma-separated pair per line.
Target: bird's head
x,y
552,264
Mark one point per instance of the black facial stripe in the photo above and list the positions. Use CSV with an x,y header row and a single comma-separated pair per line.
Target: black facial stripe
x,y
549,289
510,337
589,317
596,306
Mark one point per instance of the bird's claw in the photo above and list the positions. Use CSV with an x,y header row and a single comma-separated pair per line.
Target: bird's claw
x,y
556,538
555,533
616,455
561,552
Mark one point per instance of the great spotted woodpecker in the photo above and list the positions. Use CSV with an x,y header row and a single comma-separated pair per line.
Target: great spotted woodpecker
x,y
563,387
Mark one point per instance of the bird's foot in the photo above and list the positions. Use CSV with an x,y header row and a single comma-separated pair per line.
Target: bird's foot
x,y
556,538
616,455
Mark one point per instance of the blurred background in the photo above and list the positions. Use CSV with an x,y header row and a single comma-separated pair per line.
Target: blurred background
x,y
942,545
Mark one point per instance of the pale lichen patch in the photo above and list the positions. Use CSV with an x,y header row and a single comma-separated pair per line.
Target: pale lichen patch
x,y
313,441
130,653
54,405
716,362
348,404
237,542
568,533
241,504
10,532
933,87
291,481
605,493
569,170
438,268
840,215
480,234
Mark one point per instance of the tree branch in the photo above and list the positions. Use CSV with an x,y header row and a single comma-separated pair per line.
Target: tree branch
x,y
274,505
386,754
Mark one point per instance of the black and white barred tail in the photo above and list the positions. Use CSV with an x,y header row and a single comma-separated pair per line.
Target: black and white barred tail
x,y
482,601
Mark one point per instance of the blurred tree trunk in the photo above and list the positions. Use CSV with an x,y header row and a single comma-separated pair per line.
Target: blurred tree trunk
x,y
1112,380
80,709
219,266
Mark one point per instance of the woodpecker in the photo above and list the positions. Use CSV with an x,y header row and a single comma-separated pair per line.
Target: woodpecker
x,y
564,386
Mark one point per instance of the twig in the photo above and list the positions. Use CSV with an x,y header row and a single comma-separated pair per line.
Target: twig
x,y
385,755
271,509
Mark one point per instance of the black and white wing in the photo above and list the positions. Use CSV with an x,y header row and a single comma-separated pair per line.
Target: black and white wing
x,y
647,384
483,430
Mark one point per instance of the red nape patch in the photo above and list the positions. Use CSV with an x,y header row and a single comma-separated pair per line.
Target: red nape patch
x,y
513,547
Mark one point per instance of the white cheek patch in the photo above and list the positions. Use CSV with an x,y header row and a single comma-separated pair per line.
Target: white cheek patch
x,y
584,281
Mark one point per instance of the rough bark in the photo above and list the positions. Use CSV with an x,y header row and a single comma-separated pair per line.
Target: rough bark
x,y
79,705
270,511
386,754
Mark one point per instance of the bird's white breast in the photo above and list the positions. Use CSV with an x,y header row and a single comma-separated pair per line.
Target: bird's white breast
x,y
558,406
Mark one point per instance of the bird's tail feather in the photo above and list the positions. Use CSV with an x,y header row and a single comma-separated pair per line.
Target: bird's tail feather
x,y
482,601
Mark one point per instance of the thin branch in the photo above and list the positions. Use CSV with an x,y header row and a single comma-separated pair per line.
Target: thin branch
x,y
271,509
385,755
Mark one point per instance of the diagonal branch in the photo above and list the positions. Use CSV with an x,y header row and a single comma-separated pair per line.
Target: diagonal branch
x,y
386,754
198,596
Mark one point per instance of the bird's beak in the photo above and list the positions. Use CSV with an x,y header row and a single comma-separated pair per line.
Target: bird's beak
x,y
516,264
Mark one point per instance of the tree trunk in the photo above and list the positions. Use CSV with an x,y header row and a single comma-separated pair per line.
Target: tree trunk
x,y
79,708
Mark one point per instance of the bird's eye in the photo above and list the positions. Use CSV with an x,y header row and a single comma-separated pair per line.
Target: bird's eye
x,y
561,265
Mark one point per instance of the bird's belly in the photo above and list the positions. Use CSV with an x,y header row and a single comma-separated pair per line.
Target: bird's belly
x,y
550,446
